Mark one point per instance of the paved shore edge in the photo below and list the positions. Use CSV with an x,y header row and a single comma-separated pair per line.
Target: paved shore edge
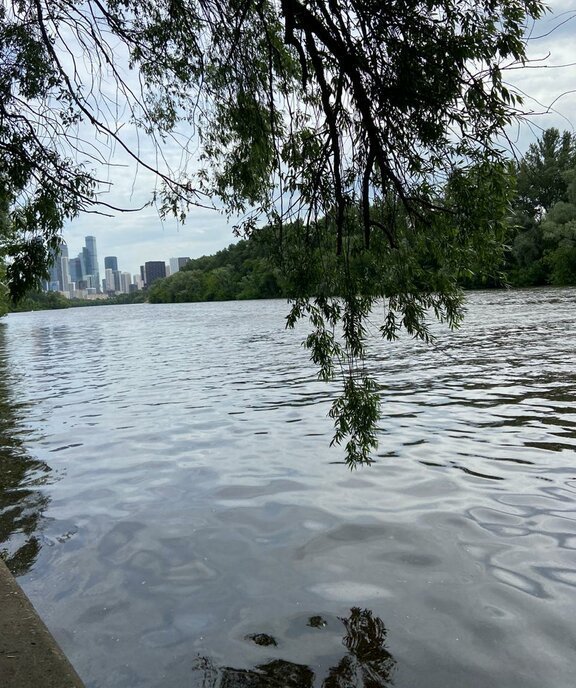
x,y
29,655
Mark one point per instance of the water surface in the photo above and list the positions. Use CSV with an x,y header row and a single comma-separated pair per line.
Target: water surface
x,y
178,518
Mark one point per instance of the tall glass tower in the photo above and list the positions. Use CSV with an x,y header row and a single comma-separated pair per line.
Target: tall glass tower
x,y
59,275
111,263
64,273
75,267
91,261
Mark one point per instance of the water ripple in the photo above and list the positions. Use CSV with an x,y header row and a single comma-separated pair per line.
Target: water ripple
x,y
193,501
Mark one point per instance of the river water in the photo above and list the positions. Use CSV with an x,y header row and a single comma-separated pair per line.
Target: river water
x,y
171,504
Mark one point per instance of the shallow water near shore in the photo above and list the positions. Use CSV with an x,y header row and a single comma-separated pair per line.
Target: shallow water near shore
x,y
178,519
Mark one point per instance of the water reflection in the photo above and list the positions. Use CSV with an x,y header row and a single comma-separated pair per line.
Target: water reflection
x,y
367,664
21,503
275,674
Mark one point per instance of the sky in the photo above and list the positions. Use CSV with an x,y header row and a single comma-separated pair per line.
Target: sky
x,y
549,85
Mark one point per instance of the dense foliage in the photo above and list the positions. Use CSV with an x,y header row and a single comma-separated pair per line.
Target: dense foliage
x,y
543,227
540,235
367,127
245,270
4,296
53,300
40,301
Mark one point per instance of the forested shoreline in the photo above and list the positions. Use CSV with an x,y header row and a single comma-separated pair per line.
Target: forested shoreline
x,y
540,245
273,262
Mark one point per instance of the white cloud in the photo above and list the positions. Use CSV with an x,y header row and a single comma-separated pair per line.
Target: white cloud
x,y
548,81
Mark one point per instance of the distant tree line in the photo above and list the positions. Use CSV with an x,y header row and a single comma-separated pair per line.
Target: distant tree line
x,y
245,270
52,300
540,243
540,246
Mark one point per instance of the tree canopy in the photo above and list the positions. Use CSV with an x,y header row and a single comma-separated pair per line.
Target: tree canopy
x,y
542,235
370,127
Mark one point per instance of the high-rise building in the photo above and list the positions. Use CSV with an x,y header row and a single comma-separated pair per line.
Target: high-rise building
x,y
154,270
93,282
109,280
75,270
177,264
53,283
59,276
64,268
83,258
111,263
125,282
91,261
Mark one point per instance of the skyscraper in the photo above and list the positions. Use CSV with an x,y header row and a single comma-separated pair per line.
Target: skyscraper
x,y
177,263
109,280
125,281
59,279
111,263
91,261
64,269
75,269
153,270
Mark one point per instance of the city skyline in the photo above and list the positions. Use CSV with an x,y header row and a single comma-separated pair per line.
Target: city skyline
x,y
134,269
81,276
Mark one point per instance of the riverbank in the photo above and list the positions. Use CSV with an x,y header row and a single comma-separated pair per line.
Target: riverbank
x,y
29,655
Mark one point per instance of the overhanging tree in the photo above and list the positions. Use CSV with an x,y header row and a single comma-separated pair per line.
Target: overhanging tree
x,y
370,127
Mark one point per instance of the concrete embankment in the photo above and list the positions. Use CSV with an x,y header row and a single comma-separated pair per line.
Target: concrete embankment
x,y
29,655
